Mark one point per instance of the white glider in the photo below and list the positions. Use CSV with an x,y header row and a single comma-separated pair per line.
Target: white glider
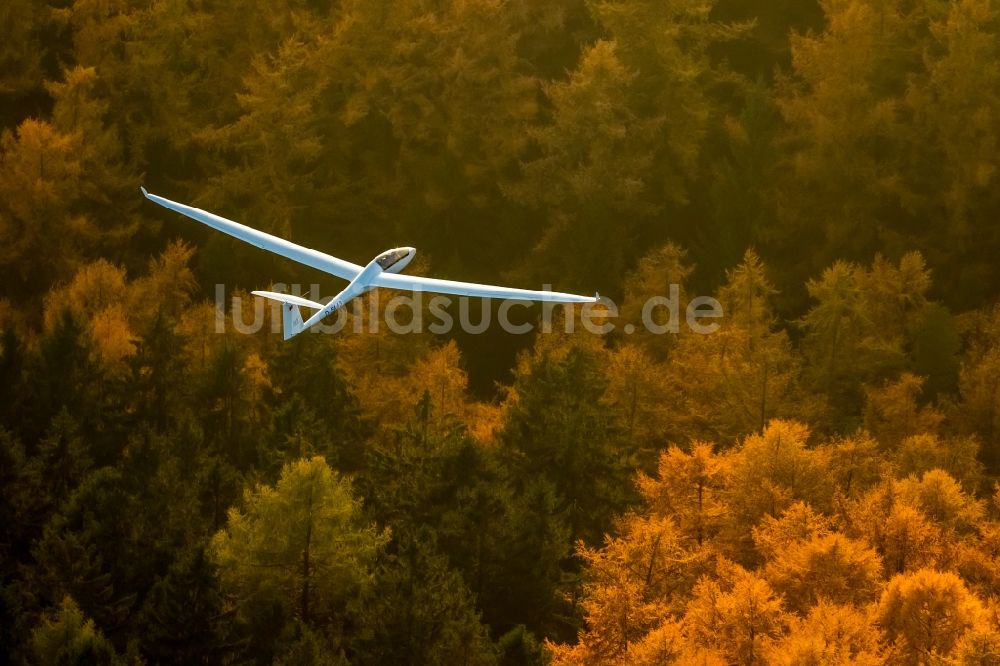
x,y
382,271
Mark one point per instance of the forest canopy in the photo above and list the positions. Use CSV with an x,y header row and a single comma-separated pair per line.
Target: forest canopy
x,y
816,482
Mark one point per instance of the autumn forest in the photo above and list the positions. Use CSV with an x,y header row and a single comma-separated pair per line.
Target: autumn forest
x,y
814,483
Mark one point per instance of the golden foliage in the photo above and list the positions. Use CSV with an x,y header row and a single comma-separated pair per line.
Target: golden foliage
x,y
735,612
860,580
829,567
926,612
829,635
892,412
689,489
440,376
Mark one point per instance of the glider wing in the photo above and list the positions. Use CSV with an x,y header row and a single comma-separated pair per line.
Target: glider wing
x,y
303,255
417,283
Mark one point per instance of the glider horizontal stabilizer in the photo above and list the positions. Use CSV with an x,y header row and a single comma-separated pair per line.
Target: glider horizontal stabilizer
x,y
289,298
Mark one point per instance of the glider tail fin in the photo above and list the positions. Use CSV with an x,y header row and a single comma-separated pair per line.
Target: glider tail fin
x,y
291,316
291,320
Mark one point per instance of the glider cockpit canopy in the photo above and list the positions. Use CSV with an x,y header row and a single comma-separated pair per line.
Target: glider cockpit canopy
x,y
390,258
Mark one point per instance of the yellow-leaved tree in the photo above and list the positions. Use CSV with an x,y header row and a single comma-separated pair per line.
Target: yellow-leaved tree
x,y
736,612
630,586
926,613
829,634
690,489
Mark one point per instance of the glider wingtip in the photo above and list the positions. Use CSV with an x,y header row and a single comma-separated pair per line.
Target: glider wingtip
x,y
144,192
